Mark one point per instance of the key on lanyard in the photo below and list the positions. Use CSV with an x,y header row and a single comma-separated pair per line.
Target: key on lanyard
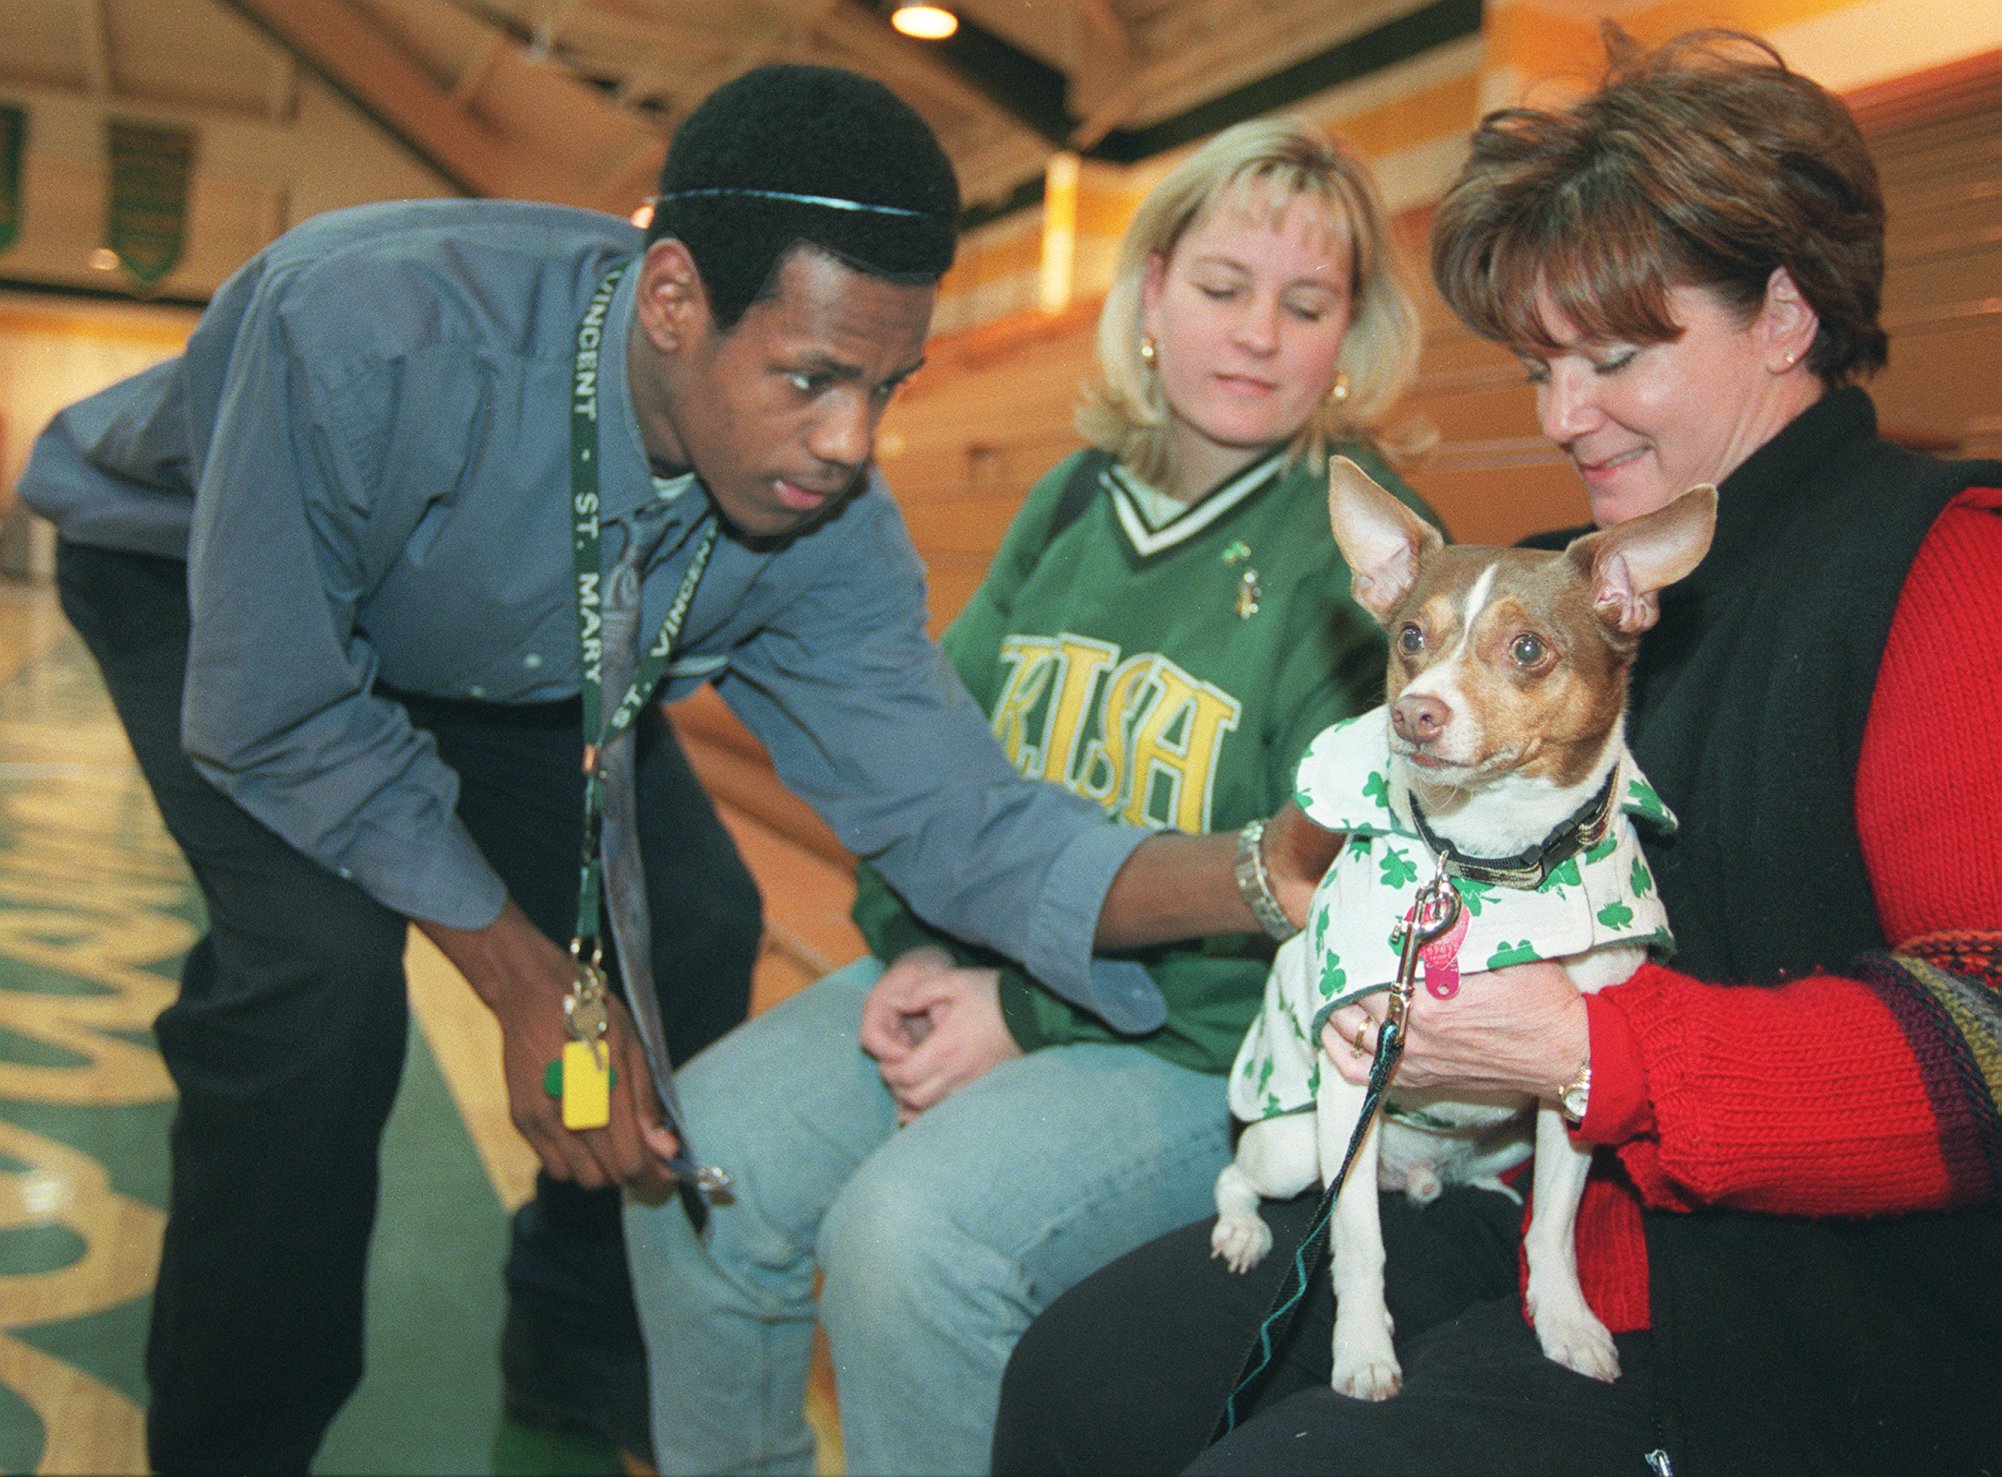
x,y
585,1080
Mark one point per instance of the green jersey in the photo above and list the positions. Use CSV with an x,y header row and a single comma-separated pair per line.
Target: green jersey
x,y
1171,662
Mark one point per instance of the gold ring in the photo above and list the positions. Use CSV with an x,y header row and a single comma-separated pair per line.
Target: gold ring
x,y
1356,1040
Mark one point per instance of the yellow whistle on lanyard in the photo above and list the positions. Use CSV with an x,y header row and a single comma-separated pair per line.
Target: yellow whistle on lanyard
x,y
587,1085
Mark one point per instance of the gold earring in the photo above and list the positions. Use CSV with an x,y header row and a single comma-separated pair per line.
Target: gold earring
x,y
1792,358
1149,350
1339,390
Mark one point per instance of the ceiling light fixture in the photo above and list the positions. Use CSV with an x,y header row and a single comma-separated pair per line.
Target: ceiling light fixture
x,y
924,21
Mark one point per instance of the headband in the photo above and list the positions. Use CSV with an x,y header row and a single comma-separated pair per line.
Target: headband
x,y
830,201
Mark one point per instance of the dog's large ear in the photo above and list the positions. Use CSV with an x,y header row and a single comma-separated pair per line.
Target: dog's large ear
x,y
1630,563
1381,538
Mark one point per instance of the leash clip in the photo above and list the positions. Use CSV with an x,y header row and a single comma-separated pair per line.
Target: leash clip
x,y
1433,915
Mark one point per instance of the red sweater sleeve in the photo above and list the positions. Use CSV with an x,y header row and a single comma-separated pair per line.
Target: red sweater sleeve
x,y
1808,1098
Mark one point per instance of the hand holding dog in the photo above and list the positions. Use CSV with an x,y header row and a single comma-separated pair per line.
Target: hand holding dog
x,y
933,1027
1519,1029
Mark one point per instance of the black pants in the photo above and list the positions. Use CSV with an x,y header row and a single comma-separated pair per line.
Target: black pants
x,y
286,1042
1128,1371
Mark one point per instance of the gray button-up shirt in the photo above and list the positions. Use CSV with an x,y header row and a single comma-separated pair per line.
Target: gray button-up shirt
x,y
363,457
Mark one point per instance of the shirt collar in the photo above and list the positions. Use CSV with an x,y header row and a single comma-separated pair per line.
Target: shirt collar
x,y
1149,538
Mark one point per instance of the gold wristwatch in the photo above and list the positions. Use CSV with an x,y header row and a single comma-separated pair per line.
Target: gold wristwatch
x,y
1573,1096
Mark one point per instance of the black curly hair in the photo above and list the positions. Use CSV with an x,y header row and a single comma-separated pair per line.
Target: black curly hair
x,y
785,156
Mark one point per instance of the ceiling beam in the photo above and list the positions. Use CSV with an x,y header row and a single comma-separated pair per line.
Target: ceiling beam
x,y
466,86
1104,83
95,42
633,176
281,99
338,42
859,27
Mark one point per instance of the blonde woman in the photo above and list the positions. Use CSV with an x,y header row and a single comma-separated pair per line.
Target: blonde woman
x,y
948,1144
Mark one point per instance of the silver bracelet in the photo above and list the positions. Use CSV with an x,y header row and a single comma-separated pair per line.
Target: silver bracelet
x,y
1255,884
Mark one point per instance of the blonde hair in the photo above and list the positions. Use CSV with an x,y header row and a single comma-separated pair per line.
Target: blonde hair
x,y
1260,168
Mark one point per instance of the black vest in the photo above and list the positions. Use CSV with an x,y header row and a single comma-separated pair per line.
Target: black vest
x,y
1786,1344
1750,696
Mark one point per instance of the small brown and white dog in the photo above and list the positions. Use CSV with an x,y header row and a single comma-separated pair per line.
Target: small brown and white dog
x,y
1500,762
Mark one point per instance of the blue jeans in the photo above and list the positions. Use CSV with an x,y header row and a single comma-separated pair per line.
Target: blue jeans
x,y
937,1242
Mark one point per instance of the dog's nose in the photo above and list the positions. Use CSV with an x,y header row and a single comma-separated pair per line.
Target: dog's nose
x,y
1419,719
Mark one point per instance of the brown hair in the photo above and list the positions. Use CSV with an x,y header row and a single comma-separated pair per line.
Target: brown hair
x,y
1704,162
1258,168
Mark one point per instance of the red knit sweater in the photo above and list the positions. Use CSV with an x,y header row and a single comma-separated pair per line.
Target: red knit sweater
x,y
1806,1098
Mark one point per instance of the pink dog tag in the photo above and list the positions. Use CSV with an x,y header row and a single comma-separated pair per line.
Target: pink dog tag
x,y
1442,959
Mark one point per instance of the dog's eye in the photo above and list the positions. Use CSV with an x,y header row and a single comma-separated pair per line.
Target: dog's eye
x,y
1410,640
1528,650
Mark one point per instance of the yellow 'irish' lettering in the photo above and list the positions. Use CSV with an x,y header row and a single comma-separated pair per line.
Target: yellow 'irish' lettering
x,y
1175,747
1141,736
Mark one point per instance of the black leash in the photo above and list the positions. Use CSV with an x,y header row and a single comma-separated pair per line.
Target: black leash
x,y
1438,895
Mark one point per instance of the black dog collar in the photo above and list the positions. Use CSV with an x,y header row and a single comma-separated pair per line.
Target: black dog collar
x,y
1531,868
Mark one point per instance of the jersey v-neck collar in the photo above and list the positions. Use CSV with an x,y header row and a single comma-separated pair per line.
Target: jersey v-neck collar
x,y
1129,504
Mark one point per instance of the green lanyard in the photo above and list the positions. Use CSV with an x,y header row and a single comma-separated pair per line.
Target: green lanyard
x,y
591,647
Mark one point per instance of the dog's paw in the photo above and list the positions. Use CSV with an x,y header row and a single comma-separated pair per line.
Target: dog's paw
x,y
1241,1241
1373,1380
1579,1341
1366,1366
1368,1379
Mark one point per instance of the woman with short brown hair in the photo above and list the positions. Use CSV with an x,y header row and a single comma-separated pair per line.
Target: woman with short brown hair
x,y
1791,1227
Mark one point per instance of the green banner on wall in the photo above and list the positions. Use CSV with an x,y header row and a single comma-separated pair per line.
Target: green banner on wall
x,y
150,167
13,135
